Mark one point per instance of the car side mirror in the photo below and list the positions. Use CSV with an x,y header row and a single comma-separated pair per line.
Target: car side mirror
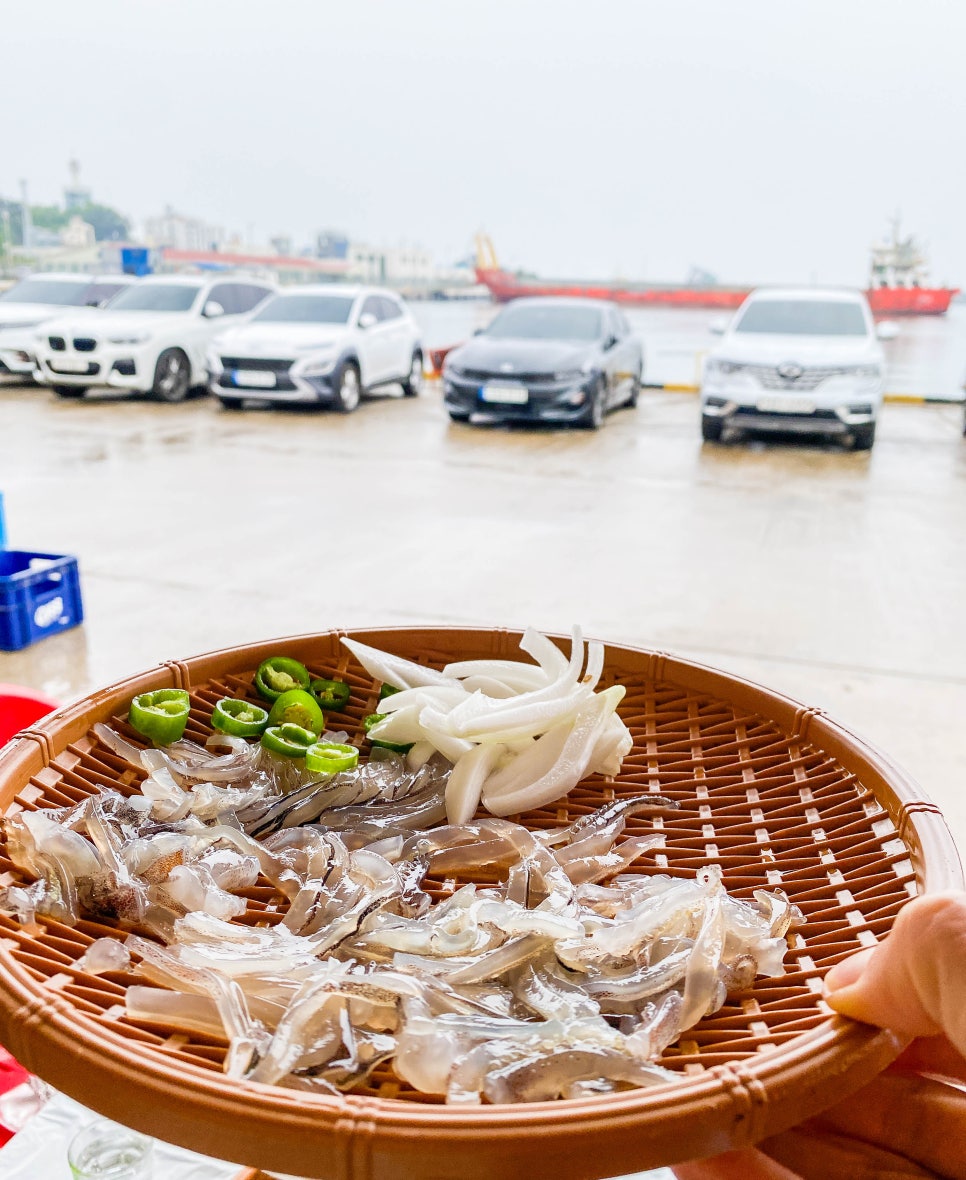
x,y
367,320
212,310
718,325
887,330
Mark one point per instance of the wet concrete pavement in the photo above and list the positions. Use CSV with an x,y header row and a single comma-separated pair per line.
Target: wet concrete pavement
x,y
834,577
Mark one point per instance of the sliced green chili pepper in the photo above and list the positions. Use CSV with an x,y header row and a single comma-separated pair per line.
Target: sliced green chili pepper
x,y
330,757
279,674
160,715
388,690
373,719
239,718
297,707
331,694
289,740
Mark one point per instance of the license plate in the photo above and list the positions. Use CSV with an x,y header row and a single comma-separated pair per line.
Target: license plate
x,y
254,378
507,395
786,405
70,366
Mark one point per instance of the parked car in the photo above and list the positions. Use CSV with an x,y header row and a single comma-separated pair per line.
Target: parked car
x,y
38,299
318,344
805,360
546,359
151,338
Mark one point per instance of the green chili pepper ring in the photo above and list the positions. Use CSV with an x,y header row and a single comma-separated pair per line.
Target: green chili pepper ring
x,y
291,741
239,718
298,707
280,674
330,757
331,694
160,715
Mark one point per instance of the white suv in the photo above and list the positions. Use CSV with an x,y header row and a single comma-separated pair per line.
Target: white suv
x,y
151,338
797,359
322,343
42,297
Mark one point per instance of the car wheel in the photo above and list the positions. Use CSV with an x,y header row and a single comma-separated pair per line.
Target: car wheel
x,y
413,383
172,376
711,428
635,389
593,419
863,437
230,403
69,391
348,388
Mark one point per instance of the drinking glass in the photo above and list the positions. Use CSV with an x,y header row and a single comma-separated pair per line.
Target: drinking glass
x,y
107,1151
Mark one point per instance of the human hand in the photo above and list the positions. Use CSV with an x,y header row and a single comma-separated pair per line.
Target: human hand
x,y
911,1119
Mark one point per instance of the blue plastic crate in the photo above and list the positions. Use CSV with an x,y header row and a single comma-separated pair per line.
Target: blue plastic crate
x,y
39,595
3,525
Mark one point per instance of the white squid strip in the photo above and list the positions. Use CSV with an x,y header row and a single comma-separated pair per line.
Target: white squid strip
x,y
465,783
394,670
505,794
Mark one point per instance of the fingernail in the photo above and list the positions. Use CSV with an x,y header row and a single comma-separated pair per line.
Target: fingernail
x,y
847,972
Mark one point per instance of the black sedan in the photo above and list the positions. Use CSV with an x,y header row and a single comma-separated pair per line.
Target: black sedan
x,y
549,360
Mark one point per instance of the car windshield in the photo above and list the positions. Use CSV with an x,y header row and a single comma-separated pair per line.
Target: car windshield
x,y
547,322
306,309
803,317
155,297
67,292
98,293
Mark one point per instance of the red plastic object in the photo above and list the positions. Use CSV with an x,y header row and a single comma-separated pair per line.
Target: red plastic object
x,y
20,707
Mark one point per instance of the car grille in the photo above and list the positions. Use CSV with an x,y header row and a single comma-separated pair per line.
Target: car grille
x,y
57,343
91,371
257,364
84,344
752,412
482,375
812,378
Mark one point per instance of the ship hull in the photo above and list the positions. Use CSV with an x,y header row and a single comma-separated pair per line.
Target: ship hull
x,y
910,300
504,286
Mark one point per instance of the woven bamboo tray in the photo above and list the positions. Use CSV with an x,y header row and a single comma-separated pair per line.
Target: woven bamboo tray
x,y
774,792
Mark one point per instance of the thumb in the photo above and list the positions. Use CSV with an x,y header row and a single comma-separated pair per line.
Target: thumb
x,y
915,981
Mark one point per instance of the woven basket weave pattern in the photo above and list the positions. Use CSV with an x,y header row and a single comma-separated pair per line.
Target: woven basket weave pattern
x,y
761,794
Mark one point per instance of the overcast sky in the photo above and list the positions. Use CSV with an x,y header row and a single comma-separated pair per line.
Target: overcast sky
x,y
763,140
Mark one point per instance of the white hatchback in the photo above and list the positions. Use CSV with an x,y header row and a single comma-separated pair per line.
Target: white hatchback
x,y
151,338
797,359
320,344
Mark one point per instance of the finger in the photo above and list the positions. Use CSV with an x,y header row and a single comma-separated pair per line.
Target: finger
x,y
820,1154
911,1116
735,1165
913,982
935,1056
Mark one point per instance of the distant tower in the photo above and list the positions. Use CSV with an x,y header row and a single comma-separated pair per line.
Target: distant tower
x,y
75,195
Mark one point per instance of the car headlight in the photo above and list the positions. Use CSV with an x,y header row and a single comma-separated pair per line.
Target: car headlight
x,y
14,327
569,375
869,371
319,364
451,370
130,338
719,367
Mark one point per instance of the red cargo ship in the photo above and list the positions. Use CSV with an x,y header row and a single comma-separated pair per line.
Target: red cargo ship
x,y
896,284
